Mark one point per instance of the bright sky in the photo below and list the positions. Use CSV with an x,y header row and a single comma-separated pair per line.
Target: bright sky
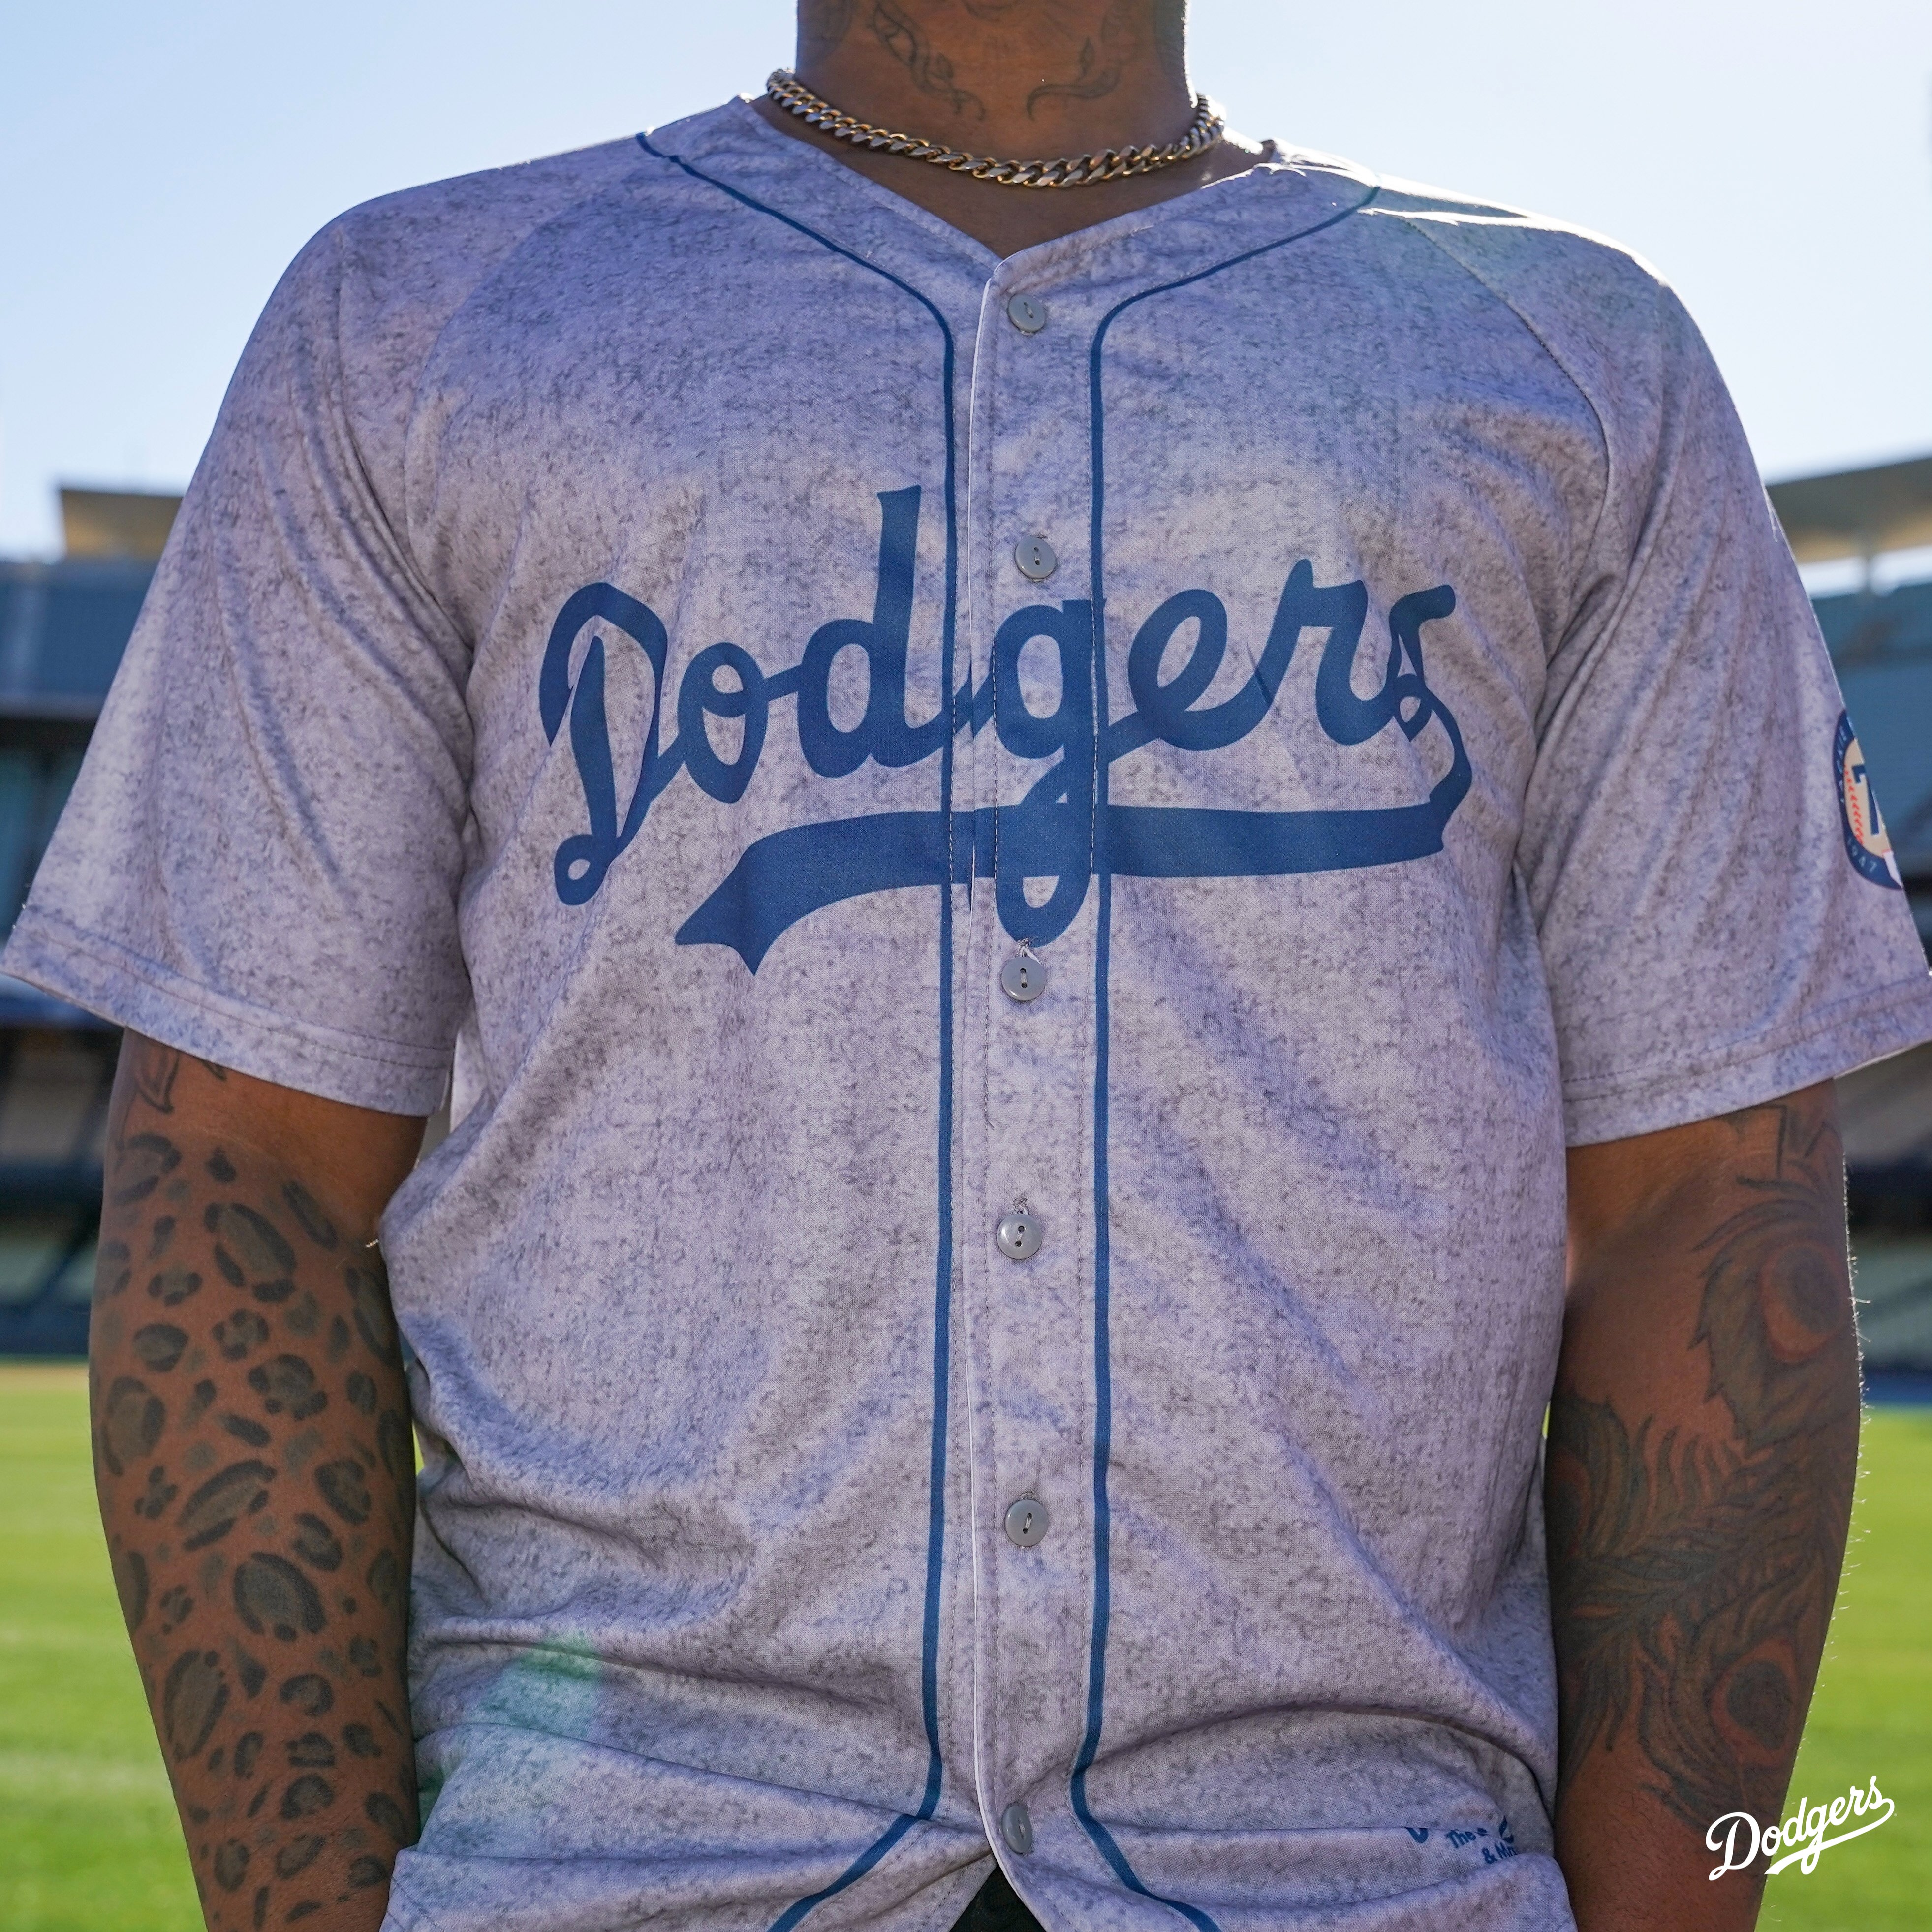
x,y
160,164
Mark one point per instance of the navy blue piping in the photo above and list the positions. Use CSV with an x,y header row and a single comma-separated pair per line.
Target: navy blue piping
x,y
942,1325
1103,1380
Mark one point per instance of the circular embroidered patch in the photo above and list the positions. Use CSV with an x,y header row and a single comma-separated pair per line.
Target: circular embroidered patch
x,y
1866,844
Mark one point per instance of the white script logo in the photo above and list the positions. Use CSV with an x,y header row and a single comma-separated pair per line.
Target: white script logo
x,y
1802,1837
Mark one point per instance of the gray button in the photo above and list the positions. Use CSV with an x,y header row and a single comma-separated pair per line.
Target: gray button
x,y
1035,557
1026,1521
1016,1828
1019,1234
1027,314
1023,978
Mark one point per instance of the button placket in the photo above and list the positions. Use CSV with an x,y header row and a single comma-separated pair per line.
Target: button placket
x,y
1029,1331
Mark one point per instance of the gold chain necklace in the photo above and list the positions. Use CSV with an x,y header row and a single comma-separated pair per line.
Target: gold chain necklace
x,y
1071,171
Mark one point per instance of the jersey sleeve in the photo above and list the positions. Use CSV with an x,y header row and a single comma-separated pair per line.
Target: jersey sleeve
x,y
1721,920
260,861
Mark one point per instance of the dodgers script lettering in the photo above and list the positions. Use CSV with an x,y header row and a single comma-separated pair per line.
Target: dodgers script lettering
x,y
1054,832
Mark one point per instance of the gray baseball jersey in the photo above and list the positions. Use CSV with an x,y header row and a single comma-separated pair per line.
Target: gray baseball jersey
x,y
1025,867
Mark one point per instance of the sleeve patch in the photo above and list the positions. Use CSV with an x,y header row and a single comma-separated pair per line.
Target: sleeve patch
x,y
1866,844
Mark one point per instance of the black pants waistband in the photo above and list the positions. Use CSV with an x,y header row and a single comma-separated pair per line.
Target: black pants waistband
x,y
997,1907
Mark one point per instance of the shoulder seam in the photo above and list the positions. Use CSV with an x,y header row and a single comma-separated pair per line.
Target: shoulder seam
x,y
403,536
1563,368
394,527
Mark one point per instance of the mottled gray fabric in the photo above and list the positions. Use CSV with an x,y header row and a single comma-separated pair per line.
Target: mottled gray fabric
x,y
550,668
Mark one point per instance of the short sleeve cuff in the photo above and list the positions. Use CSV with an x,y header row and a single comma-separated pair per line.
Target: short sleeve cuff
x,y
93,972
1749,1073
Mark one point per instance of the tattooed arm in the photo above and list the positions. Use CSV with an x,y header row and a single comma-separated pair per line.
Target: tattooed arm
x,y
1703,1438
252,1450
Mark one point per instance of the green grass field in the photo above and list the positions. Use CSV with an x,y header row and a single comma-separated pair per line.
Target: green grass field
x,y
88,1840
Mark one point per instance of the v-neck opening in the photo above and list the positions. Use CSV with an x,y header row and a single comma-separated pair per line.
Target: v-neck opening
x,y
987,262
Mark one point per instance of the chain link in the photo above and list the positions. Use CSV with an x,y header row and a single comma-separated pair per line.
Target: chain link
x,y
1070,171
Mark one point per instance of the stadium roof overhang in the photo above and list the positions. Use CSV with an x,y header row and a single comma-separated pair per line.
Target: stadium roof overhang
x,y
1857,512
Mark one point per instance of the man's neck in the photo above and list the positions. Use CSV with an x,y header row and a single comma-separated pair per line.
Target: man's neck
x,y
1016,79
